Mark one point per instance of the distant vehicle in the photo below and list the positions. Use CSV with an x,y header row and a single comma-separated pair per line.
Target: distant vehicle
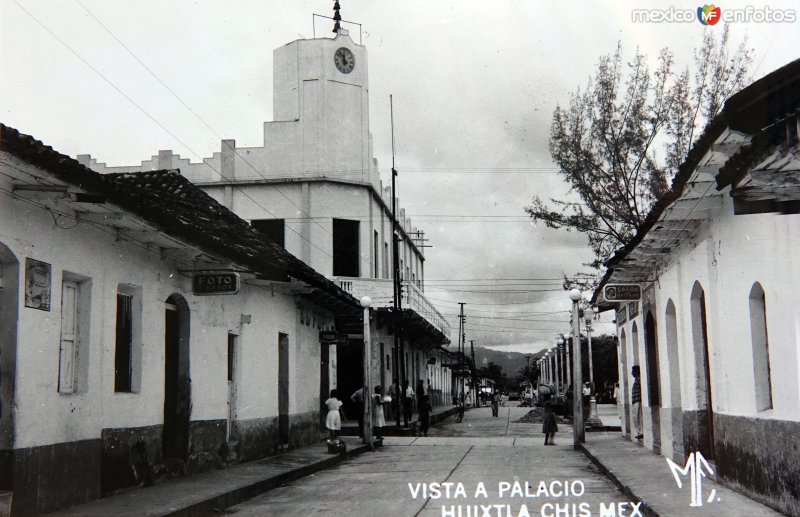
x,y
513,395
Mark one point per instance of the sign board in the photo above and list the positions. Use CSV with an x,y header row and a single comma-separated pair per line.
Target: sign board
x,y
622,292
327,335
205,284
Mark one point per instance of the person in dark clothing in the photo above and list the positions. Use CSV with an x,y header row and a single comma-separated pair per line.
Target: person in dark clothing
x,y
394,393
358,403
495,404
408,403
425,415
549,424
636,400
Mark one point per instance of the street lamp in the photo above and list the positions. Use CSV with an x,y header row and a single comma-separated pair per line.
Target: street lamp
x,y
547,368
561,342
366,303
578,432
594,419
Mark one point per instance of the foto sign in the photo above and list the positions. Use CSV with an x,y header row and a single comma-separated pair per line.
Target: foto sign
x,y
205,284
622,292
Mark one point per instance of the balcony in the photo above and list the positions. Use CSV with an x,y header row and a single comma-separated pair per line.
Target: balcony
x,y
381,292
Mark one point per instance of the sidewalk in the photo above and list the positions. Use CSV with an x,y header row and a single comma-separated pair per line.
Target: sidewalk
x,y
645,476
210,492
439,413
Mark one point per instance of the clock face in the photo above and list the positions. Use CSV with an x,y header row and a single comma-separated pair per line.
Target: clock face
x,y
344,59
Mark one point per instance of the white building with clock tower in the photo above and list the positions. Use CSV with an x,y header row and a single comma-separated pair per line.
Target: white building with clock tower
x,y
314,188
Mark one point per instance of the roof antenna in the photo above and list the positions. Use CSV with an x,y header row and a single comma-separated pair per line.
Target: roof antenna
x,y
336,16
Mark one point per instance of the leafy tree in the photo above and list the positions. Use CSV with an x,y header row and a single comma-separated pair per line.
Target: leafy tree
x,y
605,140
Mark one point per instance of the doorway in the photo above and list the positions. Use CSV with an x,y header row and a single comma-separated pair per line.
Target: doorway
x,y
9,309
233,352
283,388
653,384
177,395
705,421
625,399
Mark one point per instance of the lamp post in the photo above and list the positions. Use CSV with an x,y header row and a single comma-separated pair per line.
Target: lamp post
x,y
556,360
578,432
562,340
594,419
366,302
547,378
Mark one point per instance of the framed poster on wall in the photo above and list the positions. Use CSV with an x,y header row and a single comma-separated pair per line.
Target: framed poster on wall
x,y
37,284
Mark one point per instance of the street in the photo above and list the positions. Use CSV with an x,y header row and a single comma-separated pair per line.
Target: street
x,y
444,474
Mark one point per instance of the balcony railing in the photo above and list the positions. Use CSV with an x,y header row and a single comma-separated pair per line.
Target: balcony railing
x,y
381,292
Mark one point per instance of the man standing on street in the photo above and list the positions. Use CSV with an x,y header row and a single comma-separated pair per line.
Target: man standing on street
x,y
358,402
636,400
394,393
408,402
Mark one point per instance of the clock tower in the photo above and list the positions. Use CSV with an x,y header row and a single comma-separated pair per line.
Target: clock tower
x,y
320,88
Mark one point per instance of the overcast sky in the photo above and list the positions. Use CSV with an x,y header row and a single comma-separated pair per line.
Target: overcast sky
x,y
474,86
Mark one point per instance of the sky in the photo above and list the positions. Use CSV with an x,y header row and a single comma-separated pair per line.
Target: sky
x,y
474,86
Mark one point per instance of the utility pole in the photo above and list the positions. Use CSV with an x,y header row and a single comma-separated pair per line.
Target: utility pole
x,y
474,371
461,347
397,303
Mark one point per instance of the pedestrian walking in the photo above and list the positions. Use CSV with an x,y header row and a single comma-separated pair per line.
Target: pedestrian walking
x,y
408,403
333,421
425,414
378,420
357,398
549,424
495,405
636,400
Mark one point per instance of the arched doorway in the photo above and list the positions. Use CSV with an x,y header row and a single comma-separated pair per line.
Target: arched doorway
x,y
9,312
625,399
674,369
177,389
703,433
653,383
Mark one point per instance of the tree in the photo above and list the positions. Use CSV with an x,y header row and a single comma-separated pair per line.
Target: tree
x,y
604,142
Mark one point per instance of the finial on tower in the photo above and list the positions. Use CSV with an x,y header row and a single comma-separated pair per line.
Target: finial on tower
x,y
336,16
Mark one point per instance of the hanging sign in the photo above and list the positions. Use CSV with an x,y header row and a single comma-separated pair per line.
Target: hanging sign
x,y
622,292
206,284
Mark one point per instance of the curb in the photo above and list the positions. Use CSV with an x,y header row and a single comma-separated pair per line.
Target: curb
x,y
627,490
217,503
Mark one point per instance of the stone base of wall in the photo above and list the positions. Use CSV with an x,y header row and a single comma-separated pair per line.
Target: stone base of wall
x,y
259,437
760,458
130,456
674,450
51,477
695,433
207,445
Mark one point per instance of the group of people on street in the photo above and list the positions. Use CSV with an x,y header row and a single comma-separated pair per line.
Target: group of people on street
x,y
333,420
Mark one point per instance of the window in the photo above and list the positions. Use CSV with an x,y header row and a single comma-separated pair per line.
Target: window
x,y
346,250
273,229
127,353
760,341
385,260
73,343
375,259
69,336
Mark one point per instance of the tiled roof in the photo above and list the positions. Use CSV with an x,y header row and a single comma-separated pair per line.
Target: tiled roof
x,y
753,108
171,203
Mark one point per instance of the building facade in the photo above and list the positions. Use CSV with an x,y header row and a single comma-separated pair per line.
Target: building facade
x,y
717,331
117,366
314,189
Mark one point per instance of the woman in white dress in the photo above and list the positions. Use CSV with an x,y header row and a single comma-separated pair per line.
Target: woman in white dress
x,y
334,420
378,420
